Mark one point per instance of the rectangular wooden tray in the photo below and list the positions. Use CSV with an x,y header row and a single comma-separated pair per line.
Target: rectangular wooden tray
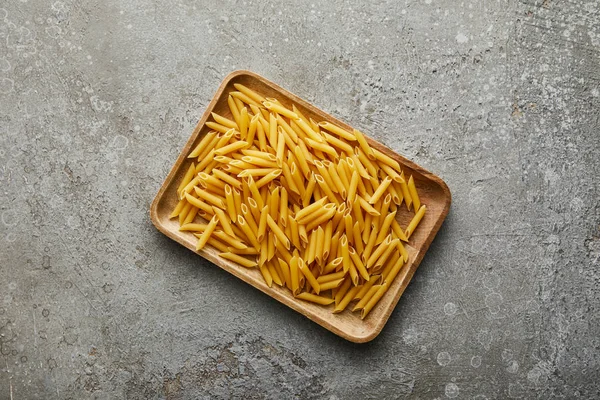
x,y
432,190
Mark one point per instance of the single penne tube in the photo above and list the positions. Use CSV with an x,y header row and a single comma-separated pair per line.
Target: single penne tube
x,y
351,193
302,233
308,131
280,147
224,221
335,142
309,191
333,265
254,191
192,227
364,145
251,131
287,128
244,98
178,208
310,278
322,146
415,221
366,297
227,178
189,187
283,207
356,234
327,234
348,226
230,148
389,171
210,198
234,110
384,208
358,215
302,161
387,160
253,162
309,252
342,290
381,189
242,224
249,92
279,109
413,193
214,243
262,225
268,178
398,231
190,215
285,270
369,246
294,275
325,188
203,239
250,221
365,161
234,242
345,253
313,298
204,144
273,203
256,172
405,192
287,174
249,251
294,232
218,127
272,131
189,175
260,134
373,300
384,229
331,277
271,245
338,218
275,273
358,264
230,203
224,121
278,232
320,232
299,113
238,103
338,131
266,274
364,204
331,284
337,182
199,204
402,250
348,297
298,179
210,180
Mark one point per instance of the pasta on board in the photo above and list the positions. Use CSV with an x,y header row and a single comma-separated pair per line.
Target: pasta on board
x,y
309,205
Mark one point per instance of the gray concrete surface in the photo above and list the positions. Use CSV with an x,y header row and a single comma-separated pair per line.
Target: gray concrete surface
x,y
500,98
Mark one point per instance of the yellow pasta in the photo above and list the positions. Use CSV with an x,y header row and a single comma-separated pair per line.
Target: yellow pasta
x,y
310,204
415,221
207,233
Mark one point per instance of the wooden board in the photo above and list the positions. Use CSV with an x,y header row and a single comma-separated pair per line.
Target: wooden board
x,y
432,190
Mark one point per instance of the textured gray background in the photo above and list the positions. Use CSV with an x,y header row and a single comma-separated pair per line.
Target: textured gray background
x,y
499,98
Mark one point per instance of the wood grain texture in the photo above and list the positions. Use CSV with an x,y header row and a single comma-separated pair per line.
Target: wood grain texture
x,y
432,191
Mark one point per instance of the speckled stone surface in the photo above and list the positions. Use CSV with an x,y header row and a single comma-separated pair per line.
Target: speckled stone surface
x,y
499,98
